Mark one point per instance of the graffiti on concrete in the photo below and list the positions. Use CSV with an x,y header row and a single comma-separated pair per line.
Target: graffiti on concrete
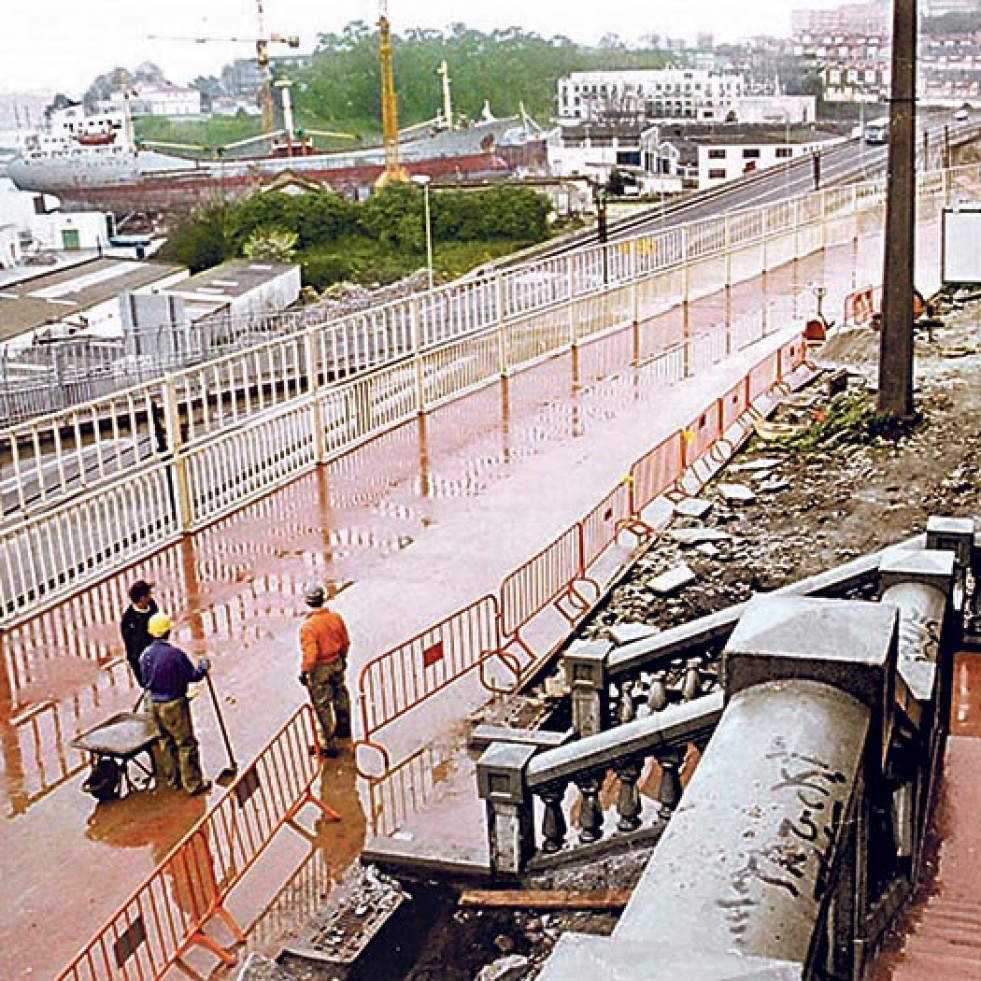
x,y
797,860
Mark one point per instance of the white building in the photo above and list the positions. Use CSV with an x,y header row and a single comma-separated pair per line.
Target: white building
x,y
594,150
722,158
654,93
168,100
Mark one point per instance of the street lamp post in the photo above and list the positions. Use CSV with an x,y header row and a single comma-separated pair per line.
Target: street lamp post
x,y
423,181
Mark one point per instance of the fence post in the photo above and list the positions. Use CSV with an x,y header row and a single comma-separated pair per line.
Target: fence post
x,y
502,343
313,388
571,279
502,785
585,673
634,251
179,481
417,365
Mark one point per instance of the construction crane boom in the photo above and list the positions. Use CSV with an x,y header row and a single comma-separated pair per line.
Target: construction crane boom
x,y
261,42
389,106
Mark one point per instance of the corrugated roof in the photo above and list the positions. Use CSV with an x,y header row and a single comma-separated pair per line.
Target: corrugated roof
x,y
31,303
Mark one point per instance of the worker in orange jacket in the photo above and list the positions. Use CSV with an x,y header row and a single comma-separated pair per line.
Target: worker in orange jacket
x,y
324,643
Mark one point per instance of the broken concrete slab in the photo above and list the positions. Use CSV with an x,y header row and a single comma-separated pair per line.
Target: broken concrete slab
x,y
672,580
763,463
258,967
699,536
692,507
737,493
484,735
772,486
624,633
505,969
708,550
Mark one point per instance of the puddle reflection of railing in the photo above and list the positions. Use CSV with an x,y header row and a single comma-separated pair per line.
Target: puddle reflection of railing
x,y
35,737
406,787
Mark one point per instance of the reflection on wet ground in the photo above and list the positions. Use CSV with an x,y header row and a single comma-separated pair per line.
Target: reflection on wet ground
x,y
235,592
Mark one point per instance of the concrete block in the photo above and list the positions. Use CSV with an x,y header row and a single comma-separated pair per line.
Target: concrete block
x,y
848,644
699,536
500,772
737,493
927,567
672,580
486,735
586,957
624,633
585,664
692,507
763,463
951,535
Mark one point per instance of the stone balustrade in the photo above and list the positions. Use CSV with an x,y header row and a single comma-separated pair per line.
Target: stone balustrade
x,y
573,778
820,735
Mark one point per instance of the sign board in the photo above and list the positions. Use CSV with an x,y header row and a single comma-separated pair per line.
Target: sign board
x,y
961,246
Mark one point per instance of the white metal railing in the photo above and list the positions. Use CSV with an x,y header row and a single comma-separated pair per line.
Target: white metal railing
x,y
303,399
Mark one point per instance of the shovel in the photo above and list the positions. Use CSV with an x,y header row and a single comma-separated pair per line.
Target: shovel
x,y
231,771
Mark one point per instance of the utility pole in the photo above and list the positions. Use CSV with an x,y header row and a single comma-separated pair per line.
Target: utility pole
x,y
896,340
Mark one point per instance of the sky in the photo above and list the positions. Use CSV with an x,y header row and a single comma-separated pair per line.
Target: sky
x,y
62,45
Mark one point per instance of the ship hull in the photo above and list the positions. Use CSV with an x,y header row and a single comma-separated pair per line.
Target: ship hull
x,y
130,180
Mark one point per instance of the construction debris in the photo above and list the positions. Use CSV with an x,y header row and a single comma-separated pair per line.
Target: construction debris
x,y
606,899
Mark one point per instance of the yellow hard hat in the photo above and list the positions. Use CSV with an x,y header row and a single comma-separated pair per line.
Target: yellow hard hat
x,y
159,625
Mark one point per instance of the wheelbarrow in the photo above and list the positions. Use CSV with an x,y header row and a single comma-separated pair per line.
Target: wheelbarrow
x,y
120,755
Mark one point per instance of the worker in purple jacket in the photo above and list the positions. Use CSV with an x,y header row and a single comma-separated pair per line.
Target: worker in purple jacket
x,y
167,671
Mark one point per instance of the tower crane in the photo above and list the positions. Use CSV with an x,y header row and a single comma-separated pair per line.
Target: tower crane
x,y
261,42
389,108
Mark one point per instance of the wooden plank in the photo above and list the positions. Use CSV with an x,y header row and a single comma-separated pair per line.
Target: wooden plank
x,y
599,899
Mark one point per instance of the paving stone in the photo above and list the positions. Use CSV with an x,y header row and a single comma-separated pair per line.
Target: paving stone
x,y
624,633
504,969
772,486
672,580
737,493
257,967
763,463
693,507
699,536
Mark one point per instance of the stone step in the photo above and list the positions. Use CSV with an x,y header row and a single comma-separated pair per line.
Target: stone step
x,y
945,947
935,967
927,915
963,935
964,905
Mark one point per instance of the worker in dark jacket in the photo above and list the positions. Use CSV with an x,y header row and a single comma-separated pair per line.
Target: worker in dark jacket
x,y
324,644
141,607
167,671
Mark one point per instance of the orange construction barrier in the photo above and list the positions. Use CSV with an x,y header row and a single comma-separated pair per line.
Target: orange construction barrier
x,y
168,914
400,679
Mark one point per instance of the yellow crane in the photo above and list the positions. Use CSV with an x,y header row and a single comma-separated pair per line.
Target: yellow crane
x,y
389,108
261,43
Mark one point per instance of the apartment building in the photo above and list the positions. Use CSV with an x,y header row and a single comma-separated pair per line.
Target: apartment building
x,y
655,93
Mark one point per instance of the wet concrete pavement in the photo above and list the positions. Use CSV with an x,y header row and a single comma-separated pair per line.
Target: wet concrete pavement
x,y
407,529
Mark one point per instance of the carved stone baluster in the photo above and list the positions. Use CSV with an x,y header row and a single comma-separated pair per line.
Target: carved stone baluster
x,y
628,800
590,812
657,696
669,792
627,711
676,674
691,687
554,826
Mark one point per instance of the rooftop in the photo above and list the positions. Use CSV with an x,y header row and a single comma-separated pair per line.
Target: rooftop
x,y
30,302
230,279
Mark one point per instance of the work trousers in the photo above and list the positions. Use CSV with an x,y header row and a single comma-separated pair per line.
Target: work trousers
x,y
331,701
180,759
